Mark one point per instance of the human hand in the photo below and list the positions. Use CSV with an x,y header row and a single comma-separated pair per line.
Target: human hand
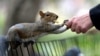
x,y
80,24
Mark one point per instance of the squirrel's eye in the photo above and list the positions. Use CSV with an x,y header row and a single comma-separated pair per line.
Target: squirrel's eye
x,y
47,15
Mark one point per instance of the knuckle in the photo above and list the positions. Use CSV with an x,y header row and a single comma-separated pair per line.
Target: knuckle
x,y
79,26
84,29
78,32
72,29
75,22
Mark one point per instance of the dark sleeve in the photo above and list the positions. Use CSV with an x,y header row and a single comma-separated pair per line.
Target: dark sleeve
x,y
95,16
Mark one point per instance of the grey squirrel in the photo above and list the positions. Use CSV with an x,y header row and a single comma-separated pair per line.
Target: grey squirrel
x,y
24,32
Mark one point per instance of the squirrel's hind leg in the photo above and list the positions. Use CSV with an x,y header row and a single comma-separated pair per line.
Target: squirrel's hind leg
x,y
14,44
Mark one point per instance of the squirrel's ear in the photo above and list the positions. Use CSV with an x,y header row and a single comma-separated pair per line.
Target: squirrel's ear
x,y
41,14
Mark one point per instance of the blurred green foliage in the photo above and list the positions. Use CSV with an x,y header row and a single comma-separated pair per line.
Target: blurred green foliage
x,y
2,20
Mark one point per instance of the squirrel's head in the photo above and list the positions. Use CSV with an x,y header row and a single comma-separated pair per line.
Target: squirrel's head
x,y
48,16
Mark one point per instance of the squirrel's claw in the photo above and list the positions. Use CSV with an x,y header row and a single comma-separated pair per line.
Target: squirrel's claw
x,y
27,43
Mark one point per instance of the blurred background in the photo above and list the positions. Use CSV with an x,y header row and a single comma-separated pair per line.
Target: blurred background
x,y
18,11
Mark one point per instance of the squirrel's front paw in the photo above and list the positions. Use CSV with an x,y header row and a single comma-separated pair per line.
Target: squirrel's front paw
x,y
64,22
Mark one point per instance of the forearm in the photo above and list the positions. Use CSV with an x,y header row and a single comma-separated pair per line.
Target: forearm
x,y
95,16
60,30
51,27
